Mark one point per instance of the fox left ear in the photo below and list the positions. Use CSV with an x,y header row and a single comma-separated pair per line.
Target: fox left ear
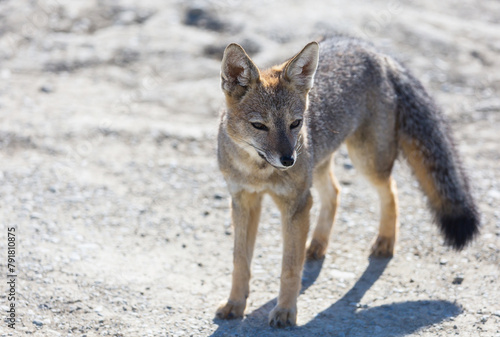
x,y
301,68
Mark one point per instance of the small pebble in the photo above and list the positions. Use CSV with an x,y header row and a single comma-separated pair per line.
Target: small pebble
x,y
458,279
46,88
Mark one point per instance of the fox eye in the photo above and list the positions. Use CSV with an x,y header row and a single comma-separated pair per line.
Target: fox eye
x,y
295,124
260,126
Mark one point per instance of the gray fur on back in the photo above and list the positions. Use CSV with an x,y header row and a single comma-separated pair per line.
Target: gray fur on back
x,y
350,85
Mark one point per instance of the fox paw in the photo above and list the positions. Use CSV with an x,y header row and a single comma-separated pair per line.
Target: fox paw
x,y
231,309
316,250
282,317
383,246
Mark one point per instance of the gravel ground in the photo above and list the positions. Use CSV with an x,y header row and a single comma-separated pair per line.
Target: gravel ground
x,y
109,115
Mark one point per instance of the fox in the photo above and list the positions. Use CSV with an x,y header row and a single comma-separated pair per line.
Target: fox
x,y
279,130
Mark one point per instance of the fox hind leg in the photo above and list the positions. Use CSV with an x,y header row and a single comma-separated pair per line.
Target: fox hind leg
x,y
375,161
388,228
328,188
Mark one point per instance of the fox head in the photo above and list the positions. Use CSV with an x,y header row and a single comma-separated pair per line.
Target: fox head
x,y
265,109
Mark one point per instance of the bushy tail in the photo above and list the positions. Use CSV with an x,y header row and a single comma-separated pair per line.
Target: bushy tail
x,y
427,144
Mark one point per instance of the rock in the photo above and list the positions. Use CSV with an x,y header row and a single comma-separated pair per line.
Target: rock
x,y
487,106
214,51
124,56
126,17
342,275
458,279
251,46
200,17
46,88
38,323
35,215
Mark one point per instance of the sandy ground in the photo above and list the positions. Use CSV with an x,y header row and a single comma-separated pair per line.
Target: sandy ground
x,y
108,119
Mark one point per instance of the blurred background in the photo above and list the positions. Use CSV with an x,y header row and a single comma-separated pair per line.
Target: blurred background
x,y
108,120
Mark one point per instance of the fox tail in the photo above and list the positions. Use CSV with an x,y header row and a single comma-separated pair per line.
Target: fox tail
x,y
426,142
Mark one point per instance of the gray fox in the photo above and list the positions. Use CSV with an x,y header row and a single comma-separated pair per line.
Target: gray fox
x,y
280,129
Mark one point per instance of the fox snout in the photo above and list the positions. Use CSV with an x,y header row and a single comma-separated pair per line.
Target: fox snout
x,y
287,160
282,159
284,154
282,162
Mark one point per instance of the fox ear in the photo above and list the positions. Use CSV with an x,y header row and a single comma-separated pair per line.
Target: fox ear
x,y
238,71
301,68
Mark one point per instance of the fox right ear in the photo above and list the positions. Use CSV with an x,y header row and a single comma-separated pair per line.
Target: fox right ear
x,y
238,71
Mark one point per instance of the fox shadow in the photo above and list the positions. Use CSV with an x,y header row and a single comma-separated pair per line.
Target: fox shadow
x,y
345,317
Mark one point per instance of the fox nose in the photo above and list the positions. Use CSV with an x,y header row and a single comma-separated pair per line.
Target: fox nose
x,y
287,161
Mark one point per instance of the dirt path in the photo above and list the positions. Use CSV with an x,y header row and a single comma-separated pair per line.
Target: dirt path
x,y
108,118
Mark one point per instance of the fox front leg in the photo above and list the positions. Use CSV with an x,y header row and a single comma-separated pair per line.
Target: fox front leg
x,y
245,214
295,218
